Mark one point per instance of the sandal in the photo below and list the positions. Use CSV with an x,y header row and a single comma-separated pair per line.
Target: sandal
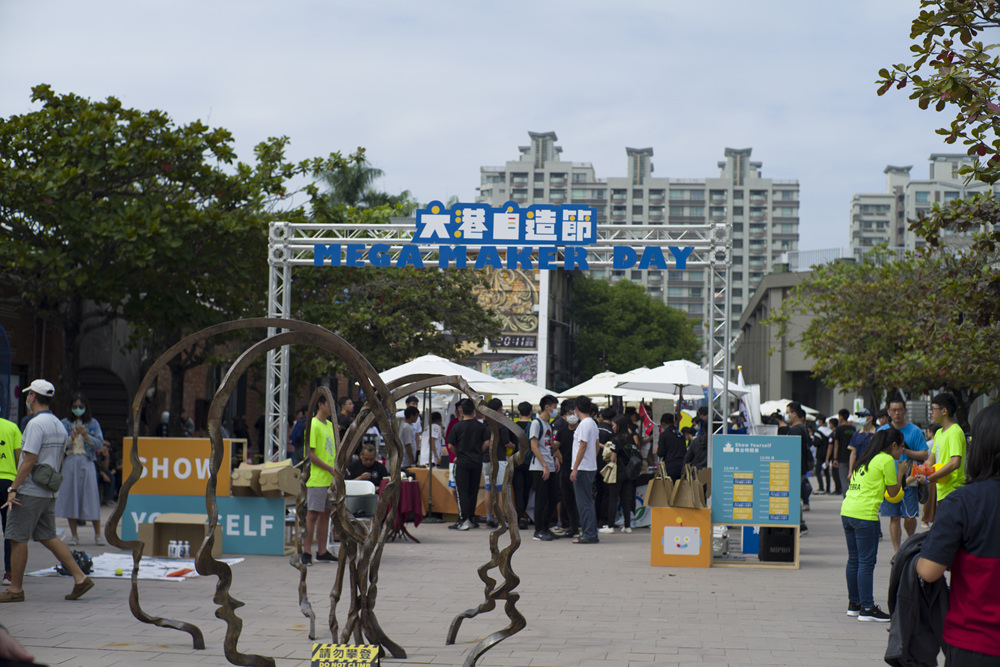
x,y
7,596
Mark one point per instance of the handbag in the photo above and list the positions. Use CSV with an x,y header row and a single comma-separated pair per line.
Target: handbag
x,y
659,489
610,473
689,491
47,477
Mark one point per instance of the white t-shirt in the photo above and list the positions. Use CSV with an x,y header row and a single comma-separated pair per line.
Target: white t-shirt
x,y
425,447
407,437
586,432
44,436
418,426
543,431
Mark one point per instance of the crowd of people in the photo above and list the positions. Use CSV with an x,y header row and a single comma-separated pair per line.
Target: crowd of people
x,y
576,464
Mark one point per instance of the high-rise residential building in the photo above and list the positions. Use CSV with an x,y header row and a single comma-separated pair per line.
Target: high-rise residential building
x,y
881,218
763,212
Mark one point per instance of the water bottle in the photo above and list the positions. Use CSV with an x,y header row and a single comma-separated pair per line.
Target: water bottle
x,y
172,549
186,550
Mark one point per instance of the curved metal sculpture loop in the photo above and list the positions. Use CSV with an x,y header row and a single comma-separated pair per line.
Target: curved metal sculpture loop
x,y
361,545
503,510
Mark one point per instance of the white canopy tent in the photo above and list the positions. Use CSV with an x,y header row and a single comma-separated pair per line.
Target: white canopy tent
x,y
679,376
602,385
780,405
431,364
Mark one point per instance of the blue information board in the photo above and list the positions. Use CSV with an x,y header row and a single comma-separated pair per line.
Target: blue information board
x,y
756,479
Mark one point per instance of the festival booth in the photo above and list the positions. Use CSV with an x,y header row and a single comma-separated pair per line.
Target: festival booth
x,y
756,510
174,480
742,512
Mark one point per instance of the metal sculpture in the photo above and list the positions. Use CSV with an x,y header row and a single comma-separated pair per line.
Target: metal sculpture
x,y
361,545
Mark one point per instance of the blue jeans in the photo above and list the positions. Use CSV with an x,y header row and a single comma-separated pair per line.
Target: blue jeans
x,y
862,550
806,489
583,489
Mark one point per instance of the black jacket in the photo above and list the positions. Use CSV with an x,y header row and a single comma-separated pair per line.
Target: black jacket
x,y
917,609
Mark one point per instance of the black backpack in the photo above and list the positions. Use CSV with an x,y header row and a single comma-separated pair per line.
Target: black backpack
x,y
635,464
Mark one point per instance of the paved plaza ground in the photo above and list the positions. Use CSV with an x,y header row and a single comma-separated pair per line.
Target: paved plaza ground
x,y
585,605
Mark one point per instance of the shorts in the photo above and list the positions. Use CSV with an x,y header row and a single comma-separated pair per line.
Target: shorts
x,y
501,467
908,508
33,519
317,499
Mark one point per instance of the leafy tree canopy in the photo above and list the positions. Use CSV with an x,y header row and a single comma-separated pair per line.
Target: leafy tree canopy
x,y
620,328
952,69
146,221
885,323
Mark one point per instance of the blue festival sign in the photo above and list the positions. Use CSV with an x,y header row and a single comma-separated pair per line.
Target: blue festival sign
x,y
756,479
509,225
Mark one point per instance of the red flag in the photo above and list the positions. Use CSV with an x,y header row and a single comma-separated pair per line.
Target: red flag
x,y
647,423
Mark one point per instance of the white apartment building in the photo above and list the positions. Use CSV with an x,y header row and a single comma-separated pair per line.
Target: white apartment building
x,y
879,218
763,212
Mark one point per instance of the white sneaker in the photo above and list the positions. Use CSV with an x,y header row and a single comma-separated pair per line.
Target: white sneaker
x,y
72,541
605,530
626,529
99,541
466,525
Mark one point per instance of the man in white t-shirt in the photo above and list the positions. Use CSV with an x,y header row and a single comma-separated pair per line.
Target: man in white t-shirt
x,y
543,468
584,469
30,505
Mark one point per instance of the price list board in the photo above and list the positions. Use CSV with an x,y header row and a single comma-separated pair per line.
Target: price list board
x,y
756,479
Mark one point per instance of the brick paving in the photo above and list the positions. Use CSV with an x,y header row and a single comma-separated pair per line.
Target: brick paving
x,y
585,606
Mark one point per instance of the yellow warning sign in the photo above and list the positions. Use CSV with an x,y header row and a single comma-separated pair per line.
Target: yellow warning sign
x,y
345,655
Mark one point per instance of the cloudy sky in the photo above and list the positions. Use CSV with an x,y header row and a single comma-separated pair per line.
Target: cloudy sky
x,y
434,90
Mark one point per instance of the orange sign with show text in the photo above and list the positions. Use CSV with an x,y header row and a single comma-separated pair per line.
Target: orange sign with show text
x,y
176,466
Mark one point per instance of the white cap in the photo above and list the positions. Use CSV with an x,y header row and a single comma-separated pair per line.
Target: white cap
x,y
42,388
165,417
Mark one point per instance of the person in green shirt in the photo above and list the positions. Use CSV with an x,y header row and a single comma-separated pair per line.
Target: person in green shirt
x,y
10,447
949,447
874,476
322,456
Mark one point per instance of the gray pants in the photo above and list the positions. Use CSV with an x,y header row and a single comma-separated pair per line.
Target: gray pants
x,y
844,478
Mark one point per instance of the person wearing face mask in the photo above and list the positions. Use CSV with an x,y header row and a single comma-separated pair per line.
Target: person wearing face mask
x,y
79,498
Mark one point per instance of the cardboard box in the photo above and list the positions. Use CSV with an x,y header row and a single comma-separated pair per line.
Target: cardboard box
x,y
176,526
681,537
246,480
279,479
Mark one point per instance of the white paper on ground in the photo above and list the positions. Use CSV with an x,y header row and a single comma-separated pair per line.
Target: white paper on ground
x,y
105,566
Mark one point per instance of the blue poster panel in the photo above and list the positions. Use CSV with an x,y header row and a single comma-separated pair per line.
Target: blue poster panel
x,y
756,479
249,525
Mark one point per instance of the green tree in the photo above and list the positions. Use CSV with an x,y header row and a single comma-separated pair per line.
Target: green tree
x,y
110,213
885,323
952,69
352,185
620,328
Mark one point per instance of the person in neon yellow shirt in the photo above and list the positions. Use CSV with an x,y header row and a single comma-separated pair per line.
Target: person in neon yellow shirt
x,y
874,475
10,448
949,447
322,456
